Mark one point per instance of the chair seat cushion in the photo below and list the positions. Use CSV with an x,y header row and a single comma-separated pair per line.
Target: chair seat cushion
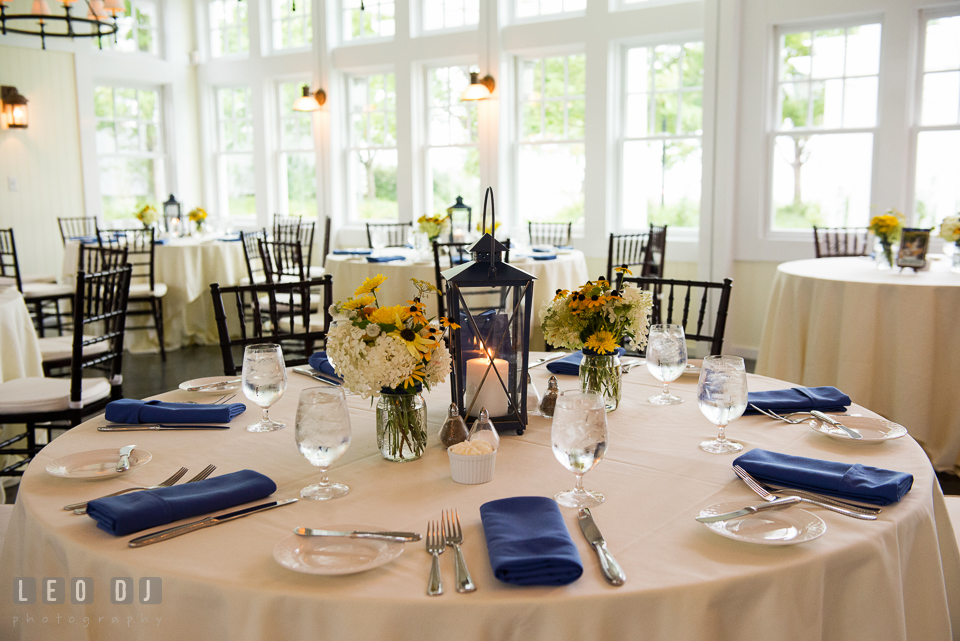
x,y
36,395
316,271
46,290
9,281
142,290
58,348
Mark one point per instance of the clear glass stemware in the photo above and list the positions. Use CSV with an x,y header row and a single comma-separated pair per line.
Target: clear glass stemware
x,y
264,381
579,439
666,359
323,435
722,395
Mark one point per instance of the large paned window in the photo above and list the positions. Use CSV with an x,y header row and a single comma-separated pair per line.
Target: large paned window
x,y
453,157
372,155
368,19
235,164
129,148
826,118
535,8
137,29
550,154
662,159
228,27
449,14
292,25
297,159
937,187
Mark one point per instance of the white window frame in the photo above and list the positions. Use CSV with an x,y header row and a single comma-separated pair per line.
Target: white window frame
x,y
420,19
349,147
348,40
157,30
220,155
543,17
283,201
272,20
222,27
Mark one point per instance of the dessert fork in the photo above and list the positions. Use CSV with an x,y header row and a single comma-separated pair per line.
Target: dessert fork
x,y
204,473
767,496
454,537
176,476
435,544
785,419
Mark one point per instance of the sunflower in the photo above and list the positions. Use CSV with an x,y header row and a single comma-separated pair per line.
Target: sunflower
x,y
601,342
561,293
370,285
417,345
389,315
360,301
416,311
595,301
444,321
623,269
416,377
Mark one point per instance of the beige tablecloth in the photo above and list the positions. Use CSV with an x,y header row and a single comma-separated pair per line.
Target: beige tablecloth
x,y
19,350
187,266
895,578
886,338
567,271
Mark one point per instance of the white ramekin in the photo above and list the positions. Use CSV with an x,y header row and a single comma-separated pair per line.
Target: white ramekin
x,y
472,469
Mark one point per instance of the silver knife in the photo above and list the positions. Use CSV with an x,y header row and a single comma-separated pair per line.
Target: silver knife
x,y
209,386
124,463
400,537
169,533
608,565
546,359
832,421
751,509
318,376
133,427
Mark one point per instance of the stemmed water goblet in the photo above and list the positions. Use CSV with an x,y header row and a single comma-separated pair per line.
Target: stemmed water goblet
x,y
323,435
264,380
666,359
722,395
579,439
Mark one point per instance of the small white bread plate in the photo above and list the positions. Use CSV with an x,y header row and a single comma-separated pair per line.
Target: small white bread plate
x,y
95,464
333,555
873,430
787,526
219,389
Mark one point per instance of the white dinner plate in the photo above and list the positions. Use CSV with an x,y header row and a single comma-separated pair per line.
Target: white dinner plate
x,y
873,430
95,464
787,526
333,555
219,389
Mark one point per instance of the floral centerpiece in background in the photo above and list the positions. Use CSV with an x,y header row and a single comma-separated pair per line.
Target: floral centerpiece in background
x,y
887,229
433,226
950,232
148,216
198,215
390,352
597,318
486,229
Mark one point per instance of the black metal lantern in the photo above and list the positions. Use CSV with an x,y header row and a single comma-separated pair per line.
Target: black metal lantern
x,y
457,213
172,209
492,303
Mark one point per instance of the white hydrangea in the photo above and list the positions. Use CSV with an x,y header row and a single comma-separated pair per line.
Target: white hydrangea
x,y
950,229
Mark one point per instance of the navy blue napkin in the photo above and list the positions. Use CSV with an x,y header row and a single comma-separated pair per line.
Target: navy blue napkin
x,y
854,482
130,410
799,399
85,240
353,252
383,259
160,241
545,257
321,363
570,365
542,249
229,239
120,515
528,542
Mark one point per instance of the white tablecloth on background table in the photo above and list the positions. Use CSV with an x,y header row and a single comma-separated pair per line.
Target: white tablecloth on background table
x,y
19,349
888,339
567,271
895,578
187,266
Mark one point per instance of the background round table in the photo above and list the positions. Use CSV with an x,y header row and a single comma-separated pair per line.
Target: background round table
x,y
19,349
895,578
889,339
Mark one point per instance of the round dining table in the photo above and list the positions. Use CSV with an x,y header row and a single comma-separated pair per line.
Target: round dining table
x,y
888,339
894,578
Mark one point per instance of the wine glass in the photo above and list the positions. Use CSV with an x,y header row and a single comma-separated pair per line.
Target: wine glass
x,y
264,381
579,438
722,394
323,435
378,239
666,359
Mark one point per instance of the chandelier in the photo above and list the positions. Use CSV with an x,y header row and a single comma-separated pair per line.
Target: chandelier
x,y
41,22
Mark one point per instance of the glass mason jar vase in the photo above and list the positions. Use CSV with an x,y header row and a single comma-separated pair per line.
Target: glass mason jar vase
x,y
602,373
401,425
955,259
886,255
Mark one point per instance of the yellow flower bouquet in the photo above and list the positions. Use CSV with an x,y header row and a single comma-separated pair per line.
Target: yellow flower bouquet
x,y
148,216
198,215
433,226
887,228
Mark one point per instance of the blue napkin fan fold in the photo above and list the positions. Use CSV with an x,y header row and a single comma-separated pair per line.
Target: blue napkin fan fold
x,y
570,365
799,399
321,363
129,410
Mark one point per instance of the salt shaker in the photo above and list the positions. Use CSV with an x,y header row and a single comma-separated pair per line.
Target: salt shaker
x,y
549,401
483,430
454,429
533,397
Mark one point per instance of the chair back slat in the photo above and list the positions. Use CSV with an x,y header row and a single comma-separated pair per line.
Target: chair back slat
x,y
9,265
327,225
625,249
394,234
281,260
94,258
655,252
77,228
556,234
841,241
251,254
140,247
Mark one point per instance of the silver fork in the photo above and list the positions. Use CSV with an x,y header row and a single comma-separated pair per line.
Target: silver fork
x,y
204,473
224,402
767,496
176,476
454,536
785,419
435,544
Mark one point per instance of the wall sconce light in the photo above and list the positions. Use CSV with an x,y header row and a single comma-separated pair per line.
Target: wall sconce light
x,y
480,88
14,108
310,101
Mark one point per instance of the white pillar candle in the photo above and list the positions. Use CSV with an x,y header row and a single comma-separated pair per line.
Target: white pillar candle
x,y
492,395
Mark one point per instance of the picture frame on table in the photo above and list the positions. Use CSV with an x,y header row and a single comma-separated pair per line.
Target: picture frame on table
x,y
913,248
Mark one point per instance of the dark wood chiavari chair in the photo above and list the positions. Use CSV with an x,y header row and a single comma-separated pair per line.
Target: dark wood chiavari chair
x,y
394,234
556,234
841,241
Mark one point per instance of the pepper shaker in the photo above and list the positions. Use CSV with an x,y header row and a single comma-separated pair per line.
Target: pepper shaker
x,y
454,429
549,401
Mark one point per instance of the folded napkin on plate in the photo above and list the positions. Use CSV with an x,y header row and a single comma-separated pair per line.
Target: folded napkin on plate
x,y
854,482
321,363
570,365
799,399
120,515
528,542
130,410
353,252
384,259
